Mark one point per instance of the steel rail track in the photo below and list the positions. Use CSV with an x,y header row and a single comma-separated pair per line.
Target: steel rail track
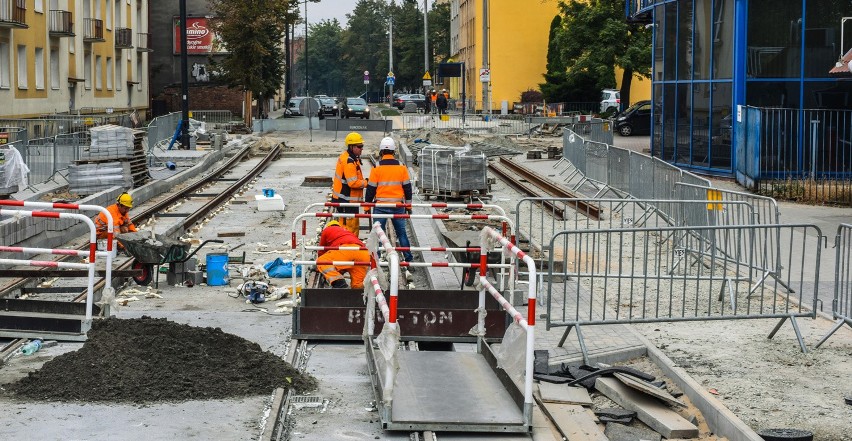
x,y
589,210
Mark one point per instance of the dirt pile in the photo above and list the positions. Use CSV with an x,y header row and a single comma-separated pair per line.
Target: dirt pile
x,y
148,359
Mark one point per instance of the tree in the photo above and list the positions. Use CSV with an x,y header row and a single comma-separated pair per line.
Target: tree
x,y
252,32
589,41
439,31
324,54
366,44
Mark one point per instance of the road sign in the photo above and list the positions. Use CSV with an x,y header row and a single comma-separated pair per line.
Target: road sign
x,y
427,79
391,80
309,107
484,75
366,77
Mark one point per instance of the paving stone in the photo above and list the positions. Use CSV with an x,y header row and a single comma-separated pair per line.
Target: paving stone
x,y
615,412
621,432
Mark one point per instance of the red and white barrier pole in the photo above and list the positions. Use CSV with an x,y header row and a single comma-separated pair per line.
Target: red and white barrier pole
x,y
496,208
486,236
93,246
393,263
82,207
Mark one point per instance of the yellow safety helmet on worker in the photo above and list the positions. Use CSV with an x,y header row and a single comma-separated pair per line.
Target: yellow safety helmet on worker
x,y
354,138
332,223
125,199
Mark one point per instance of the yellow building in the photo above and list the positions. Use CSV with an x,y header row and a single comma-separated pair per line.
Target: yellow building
x,y
59,56
517,45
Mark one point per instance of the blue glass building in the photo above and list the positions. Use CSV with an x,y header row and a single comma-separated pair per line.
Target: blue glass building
x,y
716,59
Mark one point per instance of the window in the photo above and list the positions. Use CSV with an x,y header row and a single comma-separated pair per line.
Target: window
x,y
39,6
22,67
39,68
4,65
139,72
87,70
110,73
99,72
118,21
54,68
119,73
108,13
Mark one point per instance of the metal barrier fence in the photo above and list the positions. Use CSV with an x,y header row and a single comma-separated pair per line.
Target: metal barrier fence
x,y
10,134
624,172
495,124
800,154
214,116
610,276
161,129
841,306
538,219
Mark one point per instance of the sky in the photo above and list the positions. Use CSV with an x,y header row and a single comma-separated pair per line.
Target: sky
x,y
329,9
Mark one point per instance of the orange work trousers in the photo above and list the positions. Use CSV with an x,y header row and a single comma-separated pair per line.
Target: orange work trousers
x,y
352,224
334,272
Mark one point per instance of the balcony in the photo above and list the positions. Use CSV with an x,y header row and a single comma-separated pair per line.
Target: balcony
x,y
61,24
123,38
93,30
143,42
13,14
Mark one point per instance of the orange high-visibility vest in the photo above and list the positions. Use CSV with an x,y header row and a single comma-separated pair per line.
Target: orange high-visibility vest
x,y
335,236
348,182
389,182
118,220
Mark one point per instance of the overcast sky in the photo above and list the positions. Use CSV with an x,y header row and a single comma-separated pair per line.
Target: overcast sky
x,y
329,9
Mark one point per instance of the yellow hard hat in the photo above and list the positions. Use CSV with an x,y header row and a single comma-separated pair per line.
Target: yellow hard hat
x,y
332,222
125,199
354,138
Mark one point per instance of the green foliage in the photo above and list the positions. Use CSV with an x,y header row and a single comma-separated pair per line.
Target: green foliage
x,y
587,41
325,50
253,36
531,96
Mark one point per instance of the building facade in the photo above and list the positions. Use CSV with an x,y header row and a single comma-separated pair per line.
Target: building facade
x,y
517,44
715,59
68,56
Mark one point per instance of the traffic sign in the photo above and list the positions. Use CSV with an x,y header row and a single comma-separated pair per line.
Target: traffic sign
x,y
366,77
484,75
427,79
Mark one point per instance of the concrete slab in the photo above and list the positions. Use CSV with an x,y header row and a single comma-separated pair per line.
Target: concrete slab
x,y
650,411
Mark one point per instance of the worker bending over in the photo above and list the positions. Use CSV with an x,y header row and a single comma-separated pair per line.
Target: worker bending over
x,y
121,222
390,183
334,235
348,182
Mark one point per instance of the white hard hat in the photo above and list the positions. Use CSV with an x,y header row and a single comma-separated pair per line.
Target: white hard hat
x,y
387,143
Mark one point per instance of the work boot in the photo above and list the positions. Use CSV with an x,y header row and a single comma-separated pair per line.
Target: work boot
x,y
339,284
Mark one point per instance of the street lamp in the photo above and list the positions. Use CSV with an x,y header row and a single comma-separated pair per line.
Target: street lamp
x,y
306,44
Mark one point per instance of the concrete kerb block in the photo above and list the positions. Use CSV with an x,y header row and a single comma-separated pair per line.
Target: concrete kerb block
x,y
719,418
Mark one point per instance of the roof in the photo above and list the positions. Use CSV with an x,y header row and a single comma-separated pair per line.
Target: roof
x,y
844,66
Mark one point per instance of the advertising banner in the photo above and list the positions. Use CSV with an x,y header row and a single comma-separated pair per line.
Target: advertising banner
x,y
200,38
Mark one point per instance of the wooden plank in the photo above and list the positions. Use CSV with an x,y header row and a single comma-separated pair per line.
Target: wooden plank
x,y
656,415
559,393
649,389
231,234
573,422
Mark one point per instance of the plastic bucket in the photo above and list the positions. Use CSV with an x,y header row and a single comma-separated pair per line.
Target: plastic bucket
x,y
217,269
445,117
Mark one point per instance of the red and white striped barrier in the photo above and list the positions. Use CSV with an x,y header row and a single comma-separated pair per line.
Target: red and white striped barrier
x,y
82,207
93,245
356,248
496,208
486,237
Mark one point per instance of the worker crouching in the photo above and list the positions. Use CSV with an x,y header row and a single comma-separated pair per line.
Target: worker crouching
x,y
120,212
334,235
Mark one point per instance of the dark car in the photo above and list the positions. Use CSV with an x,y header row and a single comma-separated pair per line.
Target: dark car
x,y
294,104
354,107
418,99
636,120
329,106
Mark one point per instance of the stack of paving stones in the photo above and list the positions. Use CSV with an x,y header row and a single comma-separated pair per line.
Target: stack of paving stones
x,y
115,157
452,170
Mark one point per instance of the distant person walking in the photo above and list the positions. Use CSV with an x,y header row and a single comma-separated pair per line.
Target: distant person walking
x,y
441,102
390,183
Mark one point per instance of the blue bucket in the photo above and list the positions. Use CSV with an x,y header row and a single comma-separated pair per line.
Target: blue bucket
x,y
217,269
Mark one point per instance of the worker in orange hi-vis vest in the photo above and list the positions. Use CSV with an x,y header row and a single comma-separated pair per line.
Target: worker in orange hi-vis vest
x,y
121,222
390,183
348,182
334,235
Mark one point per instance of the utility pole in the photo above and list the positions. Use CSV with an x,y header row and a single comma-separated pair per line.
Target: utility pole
x,y
184,80
486,97
287,58
426,38
306,49
390,58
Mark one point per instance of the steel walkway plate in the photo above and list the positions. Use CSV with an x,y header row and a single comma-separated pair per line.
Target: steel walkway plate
x,y
452,388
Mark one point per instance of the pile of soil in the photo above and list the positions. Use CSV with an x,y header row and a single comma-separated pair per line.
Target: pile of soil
x,y
149,359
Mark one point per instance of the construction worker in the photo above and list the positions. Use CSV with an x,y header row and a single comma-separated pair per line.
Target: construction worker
x,y
121,222
348,182
390,183
334,235
433,99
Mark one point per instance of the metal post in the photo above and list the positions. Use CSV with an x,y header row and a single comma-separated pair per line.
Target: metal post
x,y
814,142
390,59
287,61
306,50
184,79
464,91
486,104
426,40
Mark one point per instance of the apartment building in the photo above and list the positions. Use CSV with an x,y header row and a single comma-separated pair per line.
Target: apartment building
x,y
60,56
518,34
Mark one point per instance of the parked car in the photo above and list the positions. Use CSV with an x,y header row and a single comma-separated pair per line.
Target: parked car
x,y
328,105
418,99
354,107
636,120
294,106
610,100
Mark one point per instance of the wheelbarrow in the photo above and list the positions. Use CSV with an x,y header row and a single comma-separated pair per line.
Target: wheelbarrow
x,y
148,252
